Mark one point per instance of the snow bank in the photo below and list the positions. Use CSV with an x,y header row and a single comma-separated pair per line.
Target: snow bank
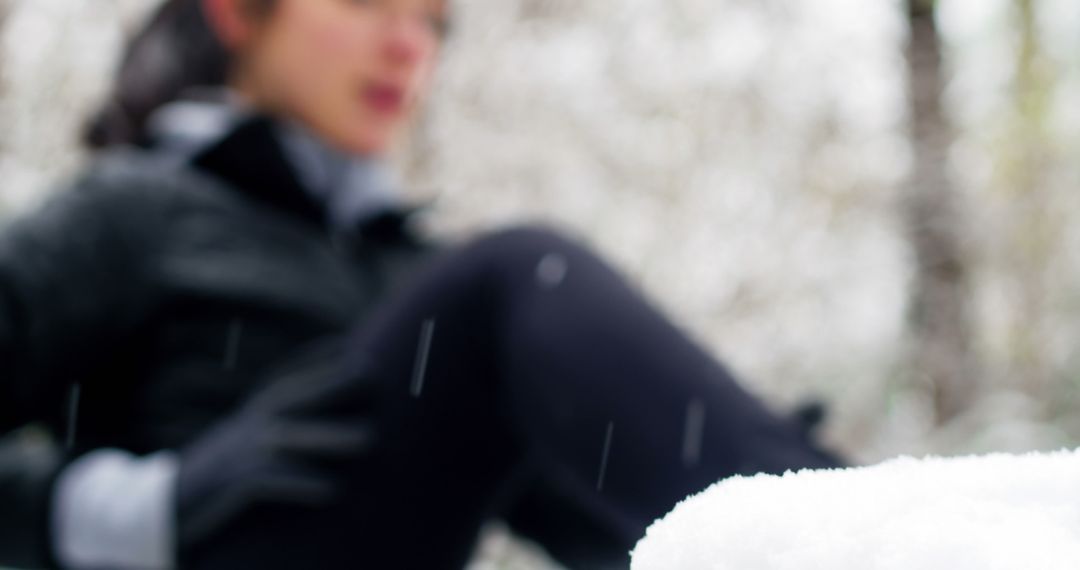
x,y
998,512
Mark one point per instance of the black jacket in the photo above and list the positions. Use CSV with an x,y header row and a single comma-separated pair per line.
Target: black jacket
x,y
167,293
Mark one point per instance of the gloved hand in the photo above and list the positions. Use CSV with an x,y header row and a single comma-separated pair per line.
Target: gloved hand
x,y
28,468
810,415
289,445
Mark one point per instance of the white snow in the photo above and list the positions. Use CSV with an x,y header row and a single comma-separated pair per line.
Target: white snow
x,y
998,512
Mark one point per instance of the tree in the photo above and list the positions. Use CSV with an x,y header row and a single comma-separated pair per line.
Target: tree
x,y
940,315
1026,168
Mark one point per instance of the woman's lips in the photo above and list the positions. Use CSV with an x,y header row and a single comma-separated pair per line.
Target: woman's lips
x,y
385,99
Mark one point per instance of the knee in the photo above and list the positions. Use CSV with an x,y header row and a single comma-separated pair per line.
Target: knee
x,y
529,249
523,241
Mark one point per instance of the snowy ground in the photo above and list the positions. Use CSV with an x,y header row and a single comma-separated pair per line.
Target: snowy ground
x,y
997,512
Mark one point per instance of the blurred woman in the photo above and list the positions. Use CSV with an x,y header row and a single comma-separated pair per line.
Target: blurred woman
x,y
255,361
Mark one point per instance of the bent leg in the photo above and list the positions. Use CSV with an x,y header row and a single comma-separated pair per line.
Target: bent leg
x,y
523,358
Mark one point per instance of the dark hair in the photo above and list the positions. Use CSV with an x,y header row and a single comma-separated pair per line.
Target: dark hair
x,y
174,51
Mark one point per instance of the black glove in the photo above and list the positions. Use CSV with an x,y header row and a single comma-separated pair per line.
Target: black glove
x,y
810,416
28,468
289,445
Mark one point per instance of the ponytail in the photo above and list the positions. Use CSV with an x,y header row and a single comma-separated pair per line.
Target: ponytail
x,y
175,51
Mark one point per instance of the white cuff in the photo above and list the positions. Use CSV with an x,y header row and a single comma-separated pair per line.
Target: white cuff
x,y
112,509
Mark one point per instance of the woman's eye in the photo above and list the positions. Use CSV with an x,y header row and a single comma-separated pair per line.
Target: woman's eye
x,y
437,16
440,24
434,14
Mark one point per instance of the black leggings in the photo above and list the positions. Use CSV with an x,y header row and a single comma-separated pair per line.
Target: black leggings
x,y
521,378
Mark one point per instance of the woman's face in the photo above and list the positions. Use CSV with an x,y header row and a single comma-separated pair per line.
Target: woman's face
x,y
353,71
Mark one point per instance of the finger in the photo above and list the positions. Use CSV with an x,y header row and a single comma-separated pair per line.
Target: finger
x,y
210,515
299,487
322,439
337,389
294,487
324,389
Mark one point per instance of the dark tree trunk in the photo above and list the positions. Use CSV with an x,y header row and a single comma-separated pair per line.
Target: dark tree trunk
x,y
940,321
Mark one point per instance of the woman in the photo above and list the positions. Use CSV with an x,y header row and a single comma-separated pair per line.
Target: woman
x,y
257,363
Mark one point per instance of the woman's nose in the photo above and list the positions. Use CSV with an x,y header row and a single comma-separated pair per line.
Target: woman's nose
x,y
409,40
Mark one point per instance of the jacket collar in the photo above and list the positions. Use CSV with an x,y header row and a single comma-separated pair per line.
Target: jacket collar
x,y
251,161
279,164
